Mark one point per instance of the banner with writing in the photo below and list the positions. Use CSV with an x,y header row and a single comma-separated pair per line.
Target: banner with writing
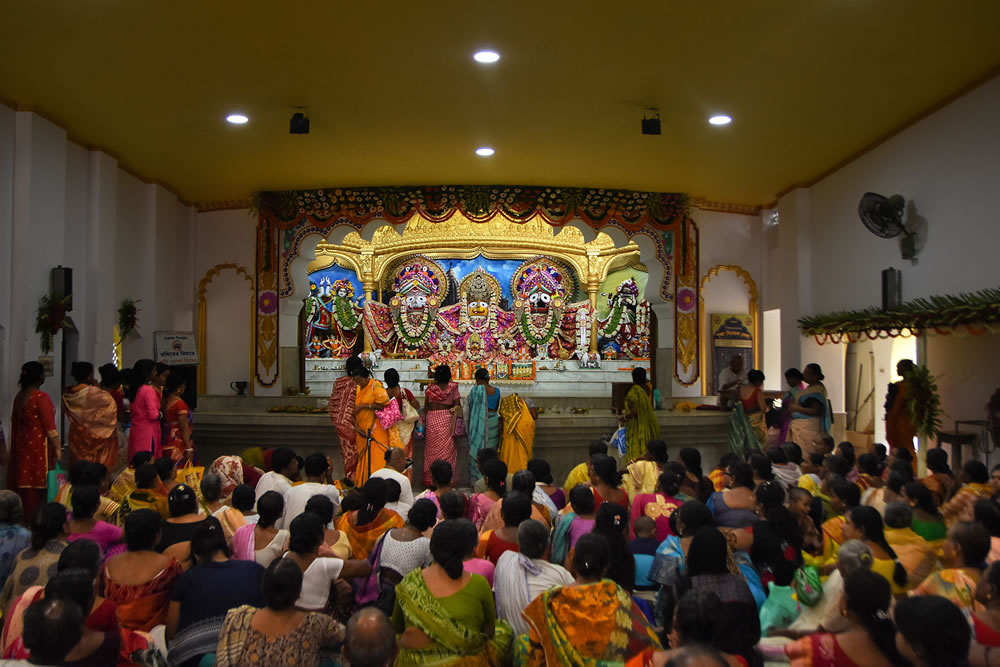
x,y
175,348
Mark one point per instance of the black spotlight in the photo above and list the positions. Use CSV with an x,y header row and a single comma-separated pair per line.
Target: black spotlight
x,y
299,124
651,121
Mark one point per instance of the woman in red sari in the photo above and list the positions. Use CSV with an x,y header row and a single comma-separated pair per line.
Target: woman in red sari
x,y
443,405
178,444
145,397
341,407
34,440
93,419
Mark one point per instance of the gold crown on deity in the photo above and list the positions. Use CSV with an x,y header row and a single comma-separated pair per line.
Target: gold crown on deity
x,y
344,284
479,288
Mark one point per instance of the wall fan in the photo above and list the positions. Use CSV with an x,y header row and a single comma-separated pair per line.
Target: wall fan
x,y
883,216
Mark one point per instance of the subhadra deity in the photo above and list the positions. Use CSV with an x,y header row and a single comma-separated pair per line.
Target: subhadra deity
x,y
626,327
549,327
477,322
332,319
408,325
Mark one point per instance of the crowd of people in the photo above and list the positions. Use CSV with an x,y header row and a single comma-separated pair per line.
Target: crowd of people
x,y
801,553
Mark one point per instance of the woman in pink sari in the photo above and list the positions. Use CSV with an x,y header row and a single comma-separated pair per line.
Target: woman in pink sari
x,y
147,386
443,405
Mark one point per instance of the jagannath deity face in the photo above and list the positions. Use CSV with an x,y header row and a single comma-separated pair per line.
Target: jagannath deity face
x,y
480,297
539,302
415,302
479,309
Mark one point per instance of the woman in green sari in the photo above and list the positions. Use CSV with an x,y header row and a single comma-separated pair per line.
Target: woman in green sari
x,y
640,420
445,615
482,419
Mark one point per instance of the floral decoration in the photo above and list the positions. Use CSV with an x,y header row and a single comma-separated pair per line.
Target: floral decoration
x,y
49,319
128,318
267,302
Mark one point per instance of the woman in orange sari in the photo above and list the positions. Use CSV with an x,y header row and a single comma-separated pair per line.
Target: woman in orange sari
x,y
34,440
366,526
177,444
899,429
370,398
93,419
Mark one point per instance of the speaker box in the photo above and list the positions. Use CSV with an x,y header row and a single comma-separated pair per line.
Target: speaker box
x,y
61,284
892,289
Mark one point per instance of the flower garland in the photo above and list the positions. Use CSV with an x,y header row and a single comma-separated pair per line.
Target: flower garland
x,y
49,319
537,336
923,404
345,314
614,320
128,318
413,335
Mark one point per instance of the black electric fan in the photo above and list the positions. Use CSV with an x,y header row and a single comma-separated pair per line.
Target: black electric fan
x,y
883,216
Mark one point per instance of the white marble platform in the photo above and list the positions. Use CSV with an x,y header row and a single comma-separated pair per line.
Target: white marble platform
x,y
553,379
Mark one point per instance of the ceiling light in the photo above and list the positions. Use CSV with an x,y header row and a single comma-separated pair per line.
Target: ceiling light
x,y
721,119
237,119
486,57
485,151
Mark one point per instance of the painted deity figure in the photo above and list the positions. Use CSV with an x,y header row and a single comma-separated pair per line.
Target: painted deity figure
x,y
545,321
408,326
333,316
477,323
626,327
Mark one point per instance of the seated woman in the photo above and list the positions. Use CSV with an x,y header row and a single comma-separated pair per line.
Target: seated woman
x,y
177,531
693,483
407,548
319,572
277,634
14,537
495,476
844,496
641,474
262,541
606,482
335,540
927,521
825,615
493,543
933,632
543,478
612,524
542,508
443,614
697,621
244,500
590,620
32,565
660,504
84,526
869,640
95,648
139,581
216,505
441,478
364,527
472,563
865,524
734,506
571,526
670,562
916,554
204,594
964,551
145,495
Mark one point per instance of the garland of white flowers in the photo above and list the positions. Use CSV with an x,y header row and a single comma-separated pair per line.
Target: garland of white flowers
x,y
611,328
413,335
534,335
345,314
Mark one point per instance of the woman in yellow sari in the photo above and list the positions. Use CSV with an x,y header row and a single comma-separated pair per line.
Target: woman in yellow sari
x,y
517,423
640,420
93,418
371,397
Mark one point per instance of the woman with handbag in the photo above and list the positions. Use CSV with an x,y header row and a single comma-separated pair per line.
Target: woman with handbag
x,y
368,425
443,405
401,433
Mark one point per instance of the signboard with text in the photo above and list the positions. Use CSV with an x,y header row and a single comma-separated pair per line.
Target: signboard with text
x,y
175,348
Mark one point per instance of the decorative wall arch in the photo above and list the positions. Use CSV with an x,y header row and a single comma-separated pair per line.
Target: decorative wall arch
x,y
752,306
203,284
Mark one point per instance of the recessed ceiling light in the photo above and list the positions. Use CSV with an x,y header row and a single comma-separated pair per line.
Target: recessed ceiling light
x,y
237,119
721,119
485,151
486,57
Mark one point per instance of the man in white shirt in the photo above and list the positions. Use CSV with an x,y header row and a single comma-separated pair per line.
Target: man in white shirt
x,y
395,464
317,471
730,380
284,469
521,577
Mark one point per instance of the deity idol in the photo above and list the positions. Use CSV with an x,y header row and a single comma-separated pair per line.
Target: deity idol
x,y
332,318
408,325
477,323
546,323
626,327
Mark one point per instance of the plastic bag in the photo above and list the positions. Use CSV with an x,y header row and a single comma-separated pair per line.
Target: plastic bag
x,y
618,441
808,587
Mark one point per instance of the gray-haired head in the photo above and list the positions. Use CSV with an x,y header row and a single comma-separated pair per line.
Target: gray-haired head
x,y
898,515
854,555
532,538
11,510
365,644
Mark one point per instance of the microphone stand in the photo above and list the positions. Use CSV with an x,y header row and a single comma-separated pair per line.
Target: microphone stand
x,y
369,438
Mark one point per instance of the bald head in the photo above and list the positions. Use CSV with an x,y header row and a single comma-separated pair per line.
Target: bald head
x,y
696,655
395,458
371,639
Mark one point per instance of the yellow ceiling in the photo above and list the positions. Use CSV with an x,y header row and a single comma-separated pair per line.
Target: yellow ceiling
x,y
395,97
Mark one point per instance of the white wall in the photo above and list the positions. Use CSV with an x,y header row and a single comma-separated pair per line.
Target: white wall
x,y
61,204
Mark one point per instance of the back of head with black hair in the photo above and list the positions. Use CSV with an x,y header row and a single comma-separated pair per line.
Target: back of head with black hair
x,y
541,470
657,449
700,616
270,507
868,464
85,554
211,487
321,506
848,492
987,512
868,595
141,458
761,466
668,483
142,530
917,493
74,584
482,375
639,376
612,521
591,556
976,472
243,498
452,504
606,470
693,515
48,523
837,464
392,491
315,465
281,458
391,377
174,383
755,377
306,533
816,458
442,374
495,476
597,447
937,461
902,454
974,541
581,499
146,476
441,473
422,515
516,508
110,375
182,500
897,481
793,375
935,628
449,545
375,493
846,449
869,522
352,500
165,468
742,475
777,456
208,540
76,472
485,454
793,452
691,458
282,584
85,501
708,553
52,627
82,371
523,481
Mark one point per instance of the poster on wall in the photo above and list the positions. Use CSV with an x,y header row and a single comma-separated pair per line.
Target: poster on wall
x,y
175,348
732,335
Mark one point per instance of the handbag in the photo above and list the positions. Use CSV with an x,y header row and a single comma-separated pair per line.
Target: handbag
x,y
390,415
191,475
460,431
808,587
409,421
56,481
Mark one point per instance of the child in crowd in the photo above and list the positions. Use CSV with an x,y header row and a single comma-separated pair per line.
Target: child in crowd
x,y
645,541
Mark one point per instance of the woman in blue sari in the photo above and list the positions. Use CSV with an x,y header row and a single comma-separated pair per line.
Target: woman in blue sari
x,y
482,420
810,412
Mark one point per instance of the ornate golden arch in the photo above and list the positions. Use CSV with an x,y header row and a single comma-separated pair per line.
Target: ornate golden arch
x,y
203,284
754,298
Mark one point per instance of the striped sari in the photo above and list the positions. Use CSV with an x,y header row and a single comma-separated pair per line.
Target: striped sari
x,y
483,424
439,441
